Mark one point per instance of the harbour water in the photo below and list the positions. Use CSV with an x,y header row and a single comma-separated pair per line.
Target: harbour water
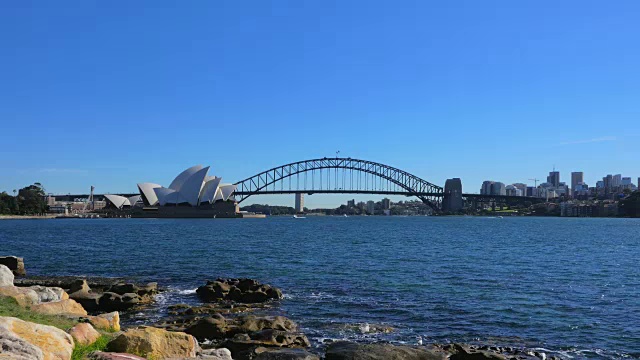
x,y
570,286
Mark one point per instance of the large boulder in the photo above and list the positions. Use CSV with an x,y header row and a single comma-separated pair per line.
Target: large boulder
x,y
252,323
80,291
53,343
108,322
16,348
216,354
49,294
84,334
15,264
110,301
6,276
155,343
352,351
68,307
238,290
209,328
244,345
23,296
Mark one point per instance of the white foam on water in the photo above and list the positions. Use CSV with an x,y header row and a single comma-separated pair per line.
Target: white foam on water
x,y
187,292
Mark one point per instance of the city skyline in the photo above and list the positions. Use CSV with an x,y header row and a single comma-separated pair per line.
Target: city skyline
x,y
256,87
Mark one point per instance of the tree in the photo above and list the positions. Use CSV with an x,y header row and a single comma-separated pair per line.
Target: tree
x,y
630,206
31,200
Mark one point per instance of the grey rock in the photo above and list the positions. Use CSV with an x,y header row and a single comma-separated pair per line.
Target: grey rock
x,y
284,354
15,264
15,348
48,294
6,276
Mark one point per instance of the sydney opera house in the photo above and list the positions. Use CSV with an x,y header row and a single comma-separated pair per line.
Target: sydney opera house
x,y
193,193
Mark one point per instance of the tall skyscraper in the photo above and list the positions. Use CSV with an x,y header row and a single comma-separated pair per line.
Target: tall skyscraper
x,y
299,202
498,188
617,180
554,178
576,178
371,207
386,204
486,187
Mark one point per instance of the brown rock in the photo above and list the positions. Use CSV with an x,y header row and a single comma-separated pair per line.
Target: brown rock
x,y
212,327
108,322
23,296
67,307
155,343
54,343
15,264
343,350
84,334
238,290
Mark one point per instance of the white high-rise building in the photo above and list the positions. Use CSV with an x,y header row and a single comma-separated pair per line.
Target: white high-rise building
x,y
371,207
299,202
617,180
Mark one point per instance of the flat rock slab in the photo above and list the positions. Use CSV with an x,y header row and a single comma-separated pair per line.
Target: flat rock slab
x,y
352,351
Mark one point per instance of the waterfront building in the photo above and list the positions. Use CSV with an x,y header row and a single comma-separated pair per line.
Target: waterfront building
x,y
192,187
498,188
577,177
371,207
554,178
386,204
522,187
486,187
299,204
351,203
532,191
510,190
626,181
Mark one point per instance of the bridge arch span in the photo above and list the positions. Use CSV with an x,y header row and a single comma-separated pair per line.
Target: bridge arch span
x,y
407,184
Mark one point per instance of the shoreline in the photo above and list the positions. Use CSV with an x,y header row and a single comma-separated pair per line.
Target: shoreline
x,y
237,315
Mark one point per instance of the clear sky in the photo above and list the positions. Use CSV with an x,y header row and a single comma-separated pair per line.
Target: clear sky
x,y
111,93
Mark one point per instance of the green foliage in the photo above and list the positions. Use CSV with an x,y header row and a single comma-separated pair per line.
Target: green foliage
x,y
269,210
630,206
81,352
9,307
29,200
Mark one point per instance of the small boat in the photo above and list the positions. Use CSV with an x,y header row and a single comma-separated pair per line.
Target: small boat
x,y
298,217
345,215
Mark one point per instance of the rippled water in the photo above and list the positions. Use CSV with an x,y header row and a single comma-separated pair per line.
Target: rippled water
x,y
567,285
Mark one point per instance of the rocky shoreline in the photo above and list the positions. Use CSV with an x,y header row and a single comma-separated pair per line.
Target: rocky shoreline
x,y
227,324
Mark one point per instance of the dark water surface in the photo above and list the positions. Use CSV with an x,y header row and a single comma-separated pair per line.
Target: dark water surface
x,y
568,285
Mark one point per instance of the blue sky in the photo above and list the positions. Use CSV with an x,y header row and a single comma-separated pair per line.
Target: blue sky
x,y
114,93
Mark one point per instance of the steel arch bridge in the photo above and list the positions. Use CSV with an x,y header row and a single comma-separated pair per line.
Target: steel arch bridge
x,y
339,176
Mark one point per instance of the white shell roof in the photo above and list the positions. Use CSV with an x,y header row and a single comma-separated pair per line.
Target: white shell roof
x,y
146,190
117,200
227,190
209,189
177,183
191,187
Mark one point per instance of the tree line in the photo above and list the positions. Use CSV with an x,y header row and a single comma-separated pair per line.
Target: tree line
x,y
29,200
